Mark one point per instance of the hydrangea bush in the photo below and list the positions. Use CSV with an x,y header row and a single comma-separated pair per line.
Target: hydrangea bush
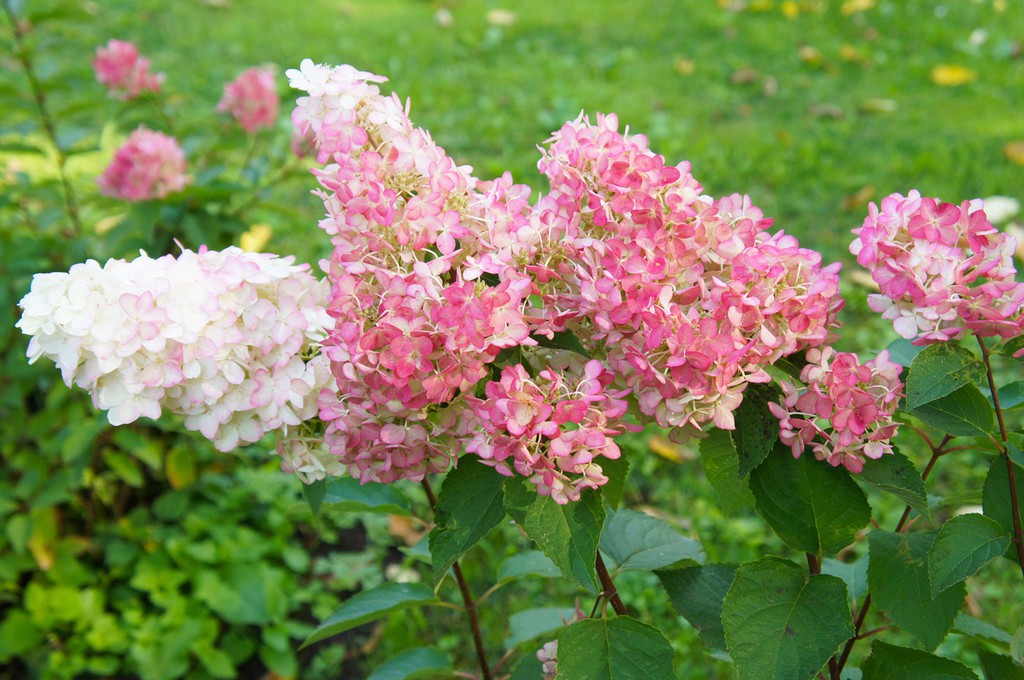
x,y
465,329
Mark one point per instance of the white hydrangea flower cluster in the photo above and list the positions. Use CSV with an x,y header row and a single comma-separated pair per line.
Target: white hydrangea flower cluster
x,y
224,338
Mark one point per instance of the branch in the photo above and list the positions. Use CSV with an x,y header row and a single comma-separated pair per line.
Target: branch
x,y
467,599
608,586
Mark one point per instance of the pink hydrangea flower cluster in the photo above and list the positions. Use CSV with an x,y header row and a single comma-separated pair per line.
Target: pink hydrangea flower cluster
x,y
943,270
123,71
552,429
845,413
412,334
221,338
682,300
149,165
251,99
686,298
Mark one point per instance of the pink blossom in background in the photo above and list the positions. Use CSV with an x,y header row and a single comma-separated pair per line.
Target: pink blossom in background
x,y
845,412
125,73
148,165
251,99
943,270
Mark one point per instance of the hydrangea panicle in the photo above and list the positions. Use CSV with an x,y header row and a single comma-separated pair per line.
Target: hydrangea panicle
x,y
123,71
149,165
221,338
251,99
942,269
845,411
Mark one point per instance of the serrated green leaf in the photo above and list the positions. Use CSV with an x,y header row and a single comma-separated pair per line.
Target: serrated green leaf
x,y
939,370
722,467
532,623
963,413
470,504
898,579
566,340
614,649
345,493
996,499
854,575
1012,395
964,545
697,594
616,470
889,662
412,663
634,540
370,605
810,504
1017,645
568,534
903,352
757,430
999,666
314,494
966,624
780,624
527,563
897,475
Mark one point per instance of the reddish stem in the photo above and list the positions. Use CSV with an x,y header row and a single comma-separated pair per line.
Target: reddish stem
x,y
467,599
608,586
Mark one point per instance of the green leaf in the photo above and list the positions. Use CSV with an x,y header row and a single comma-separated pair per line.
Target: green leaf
x,y
18,634
939,370
527,563
528,667
898,579
637,541
345,493
780,624
996,499
757,430
889,662
370,605
963,413
470,504
412,663
1017,645
854,575
315,494
568,534
1011,395
532,623
697,594
1012,346
963,546
616,470
566,340
614,649
125,467
966,624
722,467
280,662
897,475
810,504
999,666
902,352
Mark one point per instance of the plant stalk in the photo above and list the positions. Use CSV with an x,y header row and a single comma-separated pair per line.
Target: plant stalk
x,y
49,128
467,599
1018,531
608,586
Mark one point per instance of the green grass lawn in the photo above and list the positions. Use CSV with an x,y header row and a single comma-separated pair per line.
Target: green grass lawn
x,y
810,113
812,107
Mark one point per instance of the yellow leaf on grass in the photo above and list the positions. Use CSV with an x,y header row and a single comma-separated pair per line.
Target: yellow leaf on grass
x,y
666,449
180,468
1014,152
856,6
685,66
790,9
951,75
256,238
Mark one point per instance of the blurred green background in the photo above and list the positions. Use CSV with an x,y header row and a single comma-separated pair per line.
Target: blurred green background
x,y
140,552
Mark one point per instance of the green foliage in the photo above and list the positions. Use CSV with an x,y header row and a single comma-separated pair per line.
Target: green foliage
x,y
812,507
697,593
413,663
621,648
370,605
889,662
964,545
634,540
